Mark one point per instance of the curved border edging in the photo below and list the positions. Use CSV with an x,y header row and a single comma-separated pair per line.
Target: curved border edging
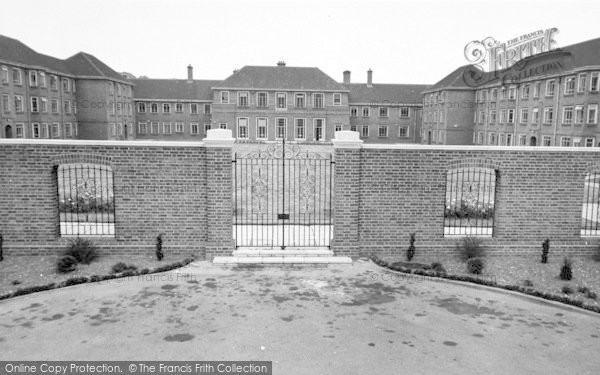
x,y
77,280
547,298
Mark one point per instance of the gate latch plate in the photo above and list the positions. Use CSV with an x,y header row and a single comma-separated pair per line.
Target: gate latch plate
x,y
283,216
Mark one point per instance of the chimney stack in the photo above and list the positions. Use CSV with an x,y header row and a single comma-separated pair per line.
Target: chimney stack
x,y
281,63
346,76
190,73
369,78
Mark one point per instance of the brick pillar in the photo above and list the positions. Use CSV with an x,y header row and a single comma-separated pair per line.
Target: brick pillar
x,y
219,193
347,146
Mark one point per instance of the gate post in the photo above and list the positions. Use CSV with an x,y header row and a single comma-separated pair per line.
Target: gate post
x,y
219,193
347,146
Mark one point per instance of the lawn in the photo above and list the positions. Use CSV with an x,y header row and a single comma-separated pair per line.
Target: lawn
x,y
527,270
27,271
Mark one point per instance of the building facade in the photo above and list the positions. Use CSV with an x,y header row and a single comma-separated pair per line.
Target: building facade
x,y
550,99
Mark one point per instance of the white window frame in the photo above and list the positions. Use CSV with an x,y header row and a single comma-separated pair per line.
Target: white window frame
x,y
366,110
594,81
550,83
564,140
207,108
299,95
337,99
567,109
223,125
547,139
179,127
279,95
239,126
385,131
322,96
577,111
142,127
510,116
55,126
353,111
35,126
386,113
278,127
193,108
592,107
153,106
178,107
569,81
194,128
364,131
154,125
259,126
33,78
401,110
166,107
548,110
167,129
241,95
581,82
322,127
407,130
35,108
19,130
224,95
141,107
297,127
258,100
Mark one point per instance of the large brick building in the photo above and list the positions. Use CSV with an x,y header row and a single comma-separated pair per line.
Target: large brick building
x,y
45,97
549,99
81,97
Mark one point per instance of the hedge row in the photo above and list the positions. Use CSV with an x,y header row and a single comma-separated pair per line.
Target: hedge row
x,y
95,278
475,280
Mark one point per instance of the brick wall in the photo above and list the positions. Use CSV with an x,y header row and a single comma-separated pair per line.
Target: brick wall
x,y
159,188
539,195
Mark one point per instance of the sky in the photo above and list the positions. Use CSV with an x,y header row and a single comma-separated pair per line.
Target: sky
x,y
401,41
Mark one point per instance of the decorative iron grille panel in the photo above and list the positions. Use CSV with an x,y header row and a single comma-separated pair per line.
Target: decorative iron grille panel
x,y
86,201
590,216
470,202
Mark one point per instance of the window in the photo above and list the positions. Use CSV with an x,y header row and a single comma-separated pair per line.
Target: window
x,y
35,108
19,131
54,106
179,127
261,128
570,85
594,81
224,97
42,79
353,112
366,112
383,111
35,130
141,107
337,98
565,141
53,82
119,88
581,82
17,80
113,129
470,202
167,128
524,117
318,128
142,128
281,100
492,139
166,107
43,105
86,201
154,108
281,128
511,116
403,132
18,103
567,116
33,78
338,127
494,94
525,91
318,100
222,125
262,100
442,116
522,139
535,116
509,139
493,115
6,103
589,142
242,131
481,117
154,127
300,100
66,85
353,128
207,109
503,93
550,86
194,108
44,133
404,112
179,107
56,130
536,90
383,131
502,116
579,114
592,113
5,75
194,128
364,131
512,93
300,129
590,218
207,127
243,99
67,106
547,141
480,138
548,115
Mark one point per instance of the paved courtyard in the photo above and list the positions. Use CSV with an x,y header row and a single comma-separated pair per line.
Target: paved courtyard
x,y
352,319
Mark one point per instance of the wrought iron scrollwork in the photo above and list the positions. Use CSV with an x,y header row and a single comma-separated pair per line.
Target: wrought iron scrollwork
x,y
279,151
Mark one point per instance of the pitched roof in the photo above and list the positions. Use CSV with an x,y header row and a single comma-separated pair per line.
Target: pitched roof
x,y
574,56
81,64
385,93
281,77
146,88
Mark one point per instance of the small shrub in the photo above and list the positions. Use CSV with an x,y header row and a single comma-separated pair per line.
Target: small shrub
x,y
15,282
583,289
475,266
410,252
66,264
76,280
545,249
566,272
144,271
591,295
470,247
527,283
122,267
84,251
567,289
159,252
438,267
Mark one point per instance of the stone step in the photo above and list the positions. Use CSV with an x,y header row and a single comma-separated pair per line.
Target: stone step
x,y
287,252
287,260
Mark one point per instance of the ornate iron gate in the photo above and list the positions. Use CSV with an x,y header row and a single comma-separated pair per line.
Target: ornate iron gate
x,y
283,197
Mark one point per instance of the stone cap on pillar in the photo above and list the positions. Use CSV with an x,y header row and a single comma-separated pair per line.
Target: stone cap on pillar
x,y
347,139
219,138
